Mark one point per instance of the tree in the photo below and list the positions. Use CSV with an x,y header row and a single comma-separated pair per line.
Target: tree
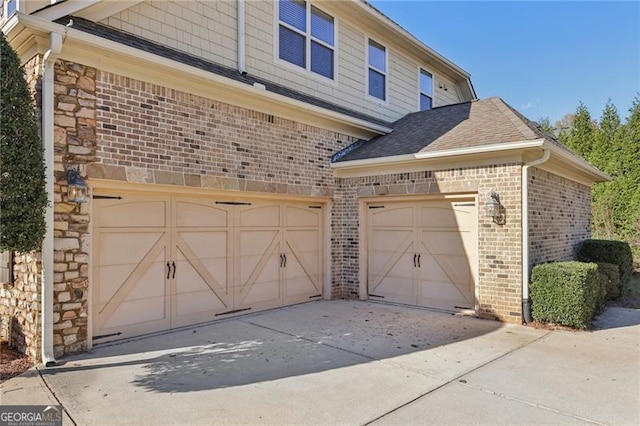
x,y
580,137
545,125
23,197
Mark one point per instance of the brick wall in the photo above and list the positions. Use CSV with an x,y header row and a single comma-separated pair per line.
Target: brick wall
x,y
499,253
559,217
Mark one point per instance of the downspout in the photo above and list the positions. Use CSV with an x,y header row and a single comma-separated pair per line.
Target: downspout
x,y
49,60
242,69
526,304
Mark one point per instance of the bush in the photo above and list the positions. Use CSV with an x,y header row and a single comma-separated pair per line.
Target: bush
x,y
565,293
606,251
610,277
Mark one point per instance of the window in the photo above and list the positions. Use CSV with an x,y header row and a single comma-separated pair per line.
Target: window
x,y
6,267
426,90
377,70
306,37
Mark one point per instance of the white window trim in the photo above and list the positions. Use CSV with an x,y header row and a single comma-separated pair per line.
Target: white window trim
x,y
308,37
433,87
384,101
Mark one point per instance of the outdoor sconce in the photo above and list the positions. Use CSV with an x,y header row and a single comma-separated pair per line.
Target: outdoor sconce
x,y
76,186
494,209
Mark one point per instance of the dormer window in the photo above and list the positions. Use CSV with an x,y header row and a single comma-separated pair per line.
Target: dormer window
x,y
426,90
306,37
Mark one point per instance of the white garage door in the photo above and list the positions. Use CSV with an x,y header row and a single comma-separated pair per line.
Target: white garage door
x,y
423,253
167,261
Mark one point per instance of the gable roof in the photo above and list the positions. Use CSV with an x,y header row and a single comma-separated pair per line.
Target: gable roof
x,y
465,125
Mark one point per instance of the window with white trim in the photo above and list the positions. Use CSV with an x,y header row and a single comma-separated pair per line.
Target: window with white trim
x,y
426,90
306,37
377,77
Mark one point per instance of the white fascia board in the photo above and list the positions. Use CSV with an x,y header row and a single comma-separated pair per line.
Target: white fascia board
x,y
71,34
578,162
61,9
391,25
481,149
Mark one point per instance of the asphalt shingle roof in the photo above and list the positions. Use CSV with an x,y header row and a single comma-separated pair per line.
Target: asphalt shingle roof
x,y
465,125
136,42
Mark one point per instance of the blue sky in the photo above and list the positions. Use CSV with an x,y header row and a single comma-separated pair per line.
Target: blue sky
x,y
542,58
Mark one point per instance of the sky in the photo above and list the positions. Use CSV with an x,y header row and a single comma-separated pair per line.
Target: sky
x,y
541,57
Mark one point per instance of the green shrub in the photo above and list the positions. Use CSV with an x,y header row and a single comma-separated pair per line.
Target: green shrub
x,y
607,251
610,275
565,293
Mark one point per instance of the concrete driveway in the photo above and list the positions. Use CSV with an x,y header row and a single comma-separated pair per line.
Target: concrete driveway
x,y
351,362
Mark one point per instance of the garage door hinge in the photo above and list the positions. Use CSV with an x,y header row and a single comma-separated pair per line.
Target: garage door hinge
x,y
376,207
106,197
375,295
233,203
315,207
235,311
465,205
104,336
313,297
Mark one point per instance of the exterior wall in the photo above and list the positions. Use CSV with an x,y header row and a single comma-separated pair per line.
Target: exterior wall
x,y
559,217
188,26
20,308
499,253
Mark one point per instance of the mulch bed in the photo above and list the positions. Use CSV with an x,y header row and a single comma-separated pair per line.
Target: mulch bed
x,y
12,363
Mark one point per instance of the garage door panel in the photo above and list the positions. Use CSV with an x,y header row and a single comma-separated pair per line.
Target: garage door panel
x,y
261,290
132,214
302,216
392,216
260,216
200,214
126,248
441,295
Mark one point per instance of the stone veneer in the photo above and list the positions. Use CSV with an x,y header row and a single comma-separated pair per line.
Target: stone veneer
x,y
499,252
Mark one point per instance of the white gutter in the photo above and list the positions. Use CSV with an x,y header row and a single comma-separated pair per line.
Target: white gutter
x,y
242,69
72,34
49,59
526,305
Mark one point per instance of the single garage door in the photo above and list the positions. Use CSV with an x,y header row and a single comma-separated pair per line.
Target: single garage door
x,y
164,261
423,253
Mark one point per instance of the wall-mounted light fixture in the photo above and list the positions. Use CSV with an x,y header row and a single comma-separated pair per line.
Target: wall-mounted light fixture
x,y
76,186
494,209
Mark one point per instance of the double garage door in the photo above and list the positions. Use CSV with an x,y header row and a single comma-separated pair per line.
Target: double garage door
x,y
423,253
168,261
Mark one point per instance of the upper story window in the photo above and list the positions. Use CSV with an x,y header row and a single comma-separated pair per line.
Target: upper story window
x,y
8,8
426,90
306,37
377,54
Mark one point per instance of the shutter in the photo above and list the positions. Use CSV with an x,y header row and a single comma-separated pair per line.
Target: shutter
x,y
6,267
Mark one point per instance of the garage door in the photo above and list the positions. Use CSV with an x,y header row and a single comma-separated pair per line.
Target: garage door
x,y
162,262
423,253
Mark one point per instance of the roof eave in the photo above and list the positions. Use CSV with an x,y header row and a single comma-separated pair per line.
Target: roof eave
x,y
44,26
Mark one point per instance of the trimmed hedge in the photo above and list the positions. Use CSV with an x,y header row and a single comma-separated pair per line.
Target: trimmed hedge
x,y
607,251
610,276
566,293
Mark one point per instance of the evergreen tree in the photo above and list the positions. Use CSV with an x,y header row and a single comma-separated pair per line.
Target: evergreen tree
x,y
608,140
545,125
581,135
23,197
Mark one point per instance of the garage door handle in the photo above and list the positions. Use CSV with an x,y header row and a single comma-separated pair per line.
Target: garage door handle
x,y
418,262
285,260
168,270
414,259
174,269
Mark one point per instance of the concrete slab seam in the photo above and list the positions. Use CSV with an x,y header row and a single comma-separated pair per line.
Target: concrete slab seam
x,y
531,404
53,394
457,378
310,340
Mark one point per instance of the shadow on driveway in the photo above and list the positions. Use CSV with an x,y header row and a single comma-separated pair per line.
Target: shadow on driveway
x,y
267,346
